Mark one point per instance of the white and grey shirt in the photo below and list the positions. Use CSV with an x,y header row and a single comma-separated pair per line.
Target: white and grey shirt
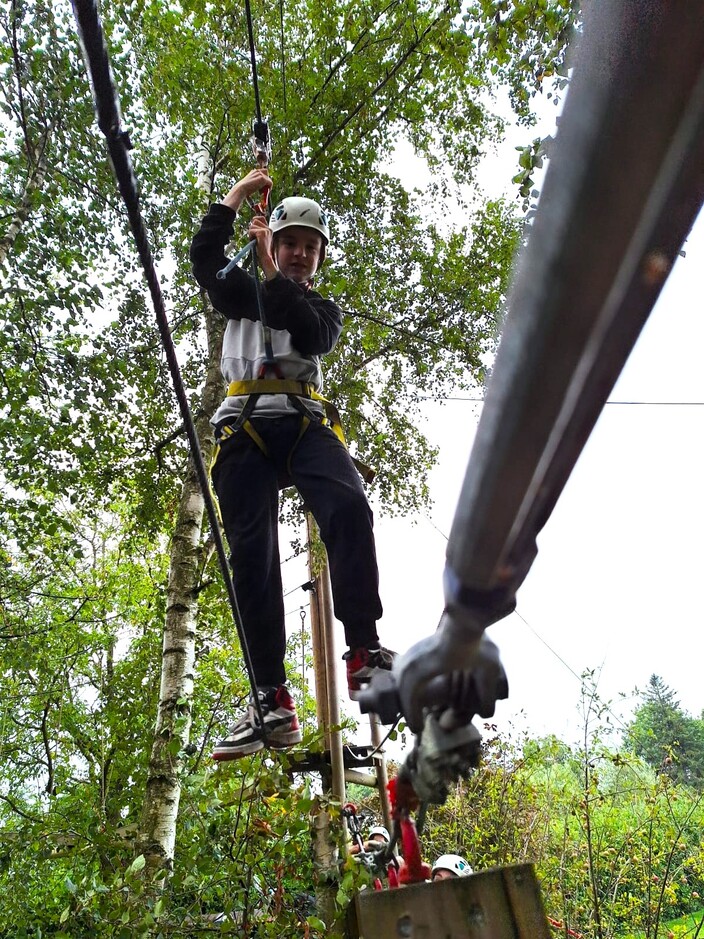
x,y
303,325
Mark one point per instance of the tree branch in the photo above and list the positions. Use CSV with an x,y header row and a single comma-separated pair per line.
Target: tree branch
x,y
304,170
412,335
334,69
18,811
47,750
14,16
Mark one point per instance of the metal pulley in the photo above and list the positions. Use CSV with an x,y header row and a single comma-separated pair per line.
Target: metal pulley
x,y
261,142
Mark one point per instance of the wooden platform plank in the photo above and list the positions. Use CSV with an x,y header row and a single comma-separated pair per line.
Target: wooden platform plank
x,y
503,903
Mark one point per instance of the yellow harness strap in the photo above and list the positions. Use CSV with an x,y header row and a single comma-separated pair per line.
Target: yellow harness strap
x,y
273,386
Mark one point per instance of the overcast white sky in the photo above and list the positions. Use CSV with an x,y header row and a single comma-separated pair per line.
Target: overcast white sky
x,y
616,584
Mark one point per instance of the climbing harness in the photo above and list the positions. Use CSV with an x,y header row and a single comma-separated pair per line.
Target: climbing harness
x,y
377,862
110,122
270,379
349,813
297,392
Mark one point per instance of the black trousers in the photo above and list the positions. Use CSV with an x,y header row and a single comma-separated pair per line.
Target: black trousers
x,y
247,485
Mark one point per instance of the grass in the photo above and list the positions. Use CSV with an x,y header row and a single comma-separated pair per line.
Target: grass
x,y
683,928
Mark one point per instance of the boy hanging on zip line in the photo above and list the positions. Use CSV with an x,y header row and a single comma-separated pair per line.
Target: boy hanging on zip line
x,y
272,439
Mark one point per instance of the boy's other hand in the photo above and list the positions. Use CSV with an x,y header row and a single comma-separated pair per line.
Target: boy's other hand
x,y
255,181
260,231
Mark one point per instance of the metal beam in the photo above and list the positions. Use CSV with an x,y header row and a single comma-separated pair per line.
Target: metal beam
x,y
623,188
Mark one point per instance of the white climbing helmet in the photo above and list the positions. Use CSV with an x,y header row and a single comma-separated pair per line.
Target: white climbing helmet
x,y
379,830
297,210
453,863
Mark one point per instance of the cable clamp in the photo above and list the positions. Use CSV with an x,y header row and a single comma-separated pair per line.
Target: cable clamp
x,y
261,142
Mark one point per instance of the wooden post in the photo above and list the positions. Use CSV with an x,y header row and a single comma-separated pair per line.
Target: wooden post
x,y
325,668
318,642
328,713
503,903
336,755
382,776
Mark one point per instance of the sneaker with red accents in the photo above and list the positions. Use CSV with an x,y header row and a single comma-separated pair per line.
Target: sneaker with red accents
x,y
363,664
281,727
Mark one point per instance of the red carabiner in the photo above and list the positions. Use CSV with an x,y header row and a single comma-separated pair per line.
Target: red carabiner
x,y
263,203
403,801
414,871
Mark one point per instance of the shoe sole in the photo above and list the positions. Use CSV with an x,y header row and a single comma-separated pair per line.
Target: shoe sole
x,y
283,741
236,752
354,693
363,681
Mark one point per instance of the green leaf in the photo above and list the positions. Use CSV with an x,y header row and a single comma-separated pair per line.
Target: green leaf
x,y
137,865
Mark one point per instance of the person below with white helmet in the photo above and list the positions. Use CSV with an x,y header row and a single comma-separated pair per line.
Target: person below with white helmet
x,y
271,440
449,866
377,839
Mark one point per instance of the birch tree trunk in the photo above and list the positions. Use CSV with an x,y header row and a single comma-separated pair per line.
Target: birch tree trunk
x,y
35,181
157,836
163,790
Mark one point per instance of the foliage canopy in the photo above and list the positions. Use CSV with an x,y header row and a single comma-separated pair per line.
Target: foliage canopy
x,y
92,458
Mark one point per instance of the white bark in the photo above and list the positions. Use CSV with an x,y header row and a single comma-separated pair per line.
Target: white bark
x,y
163,791
172,733
35,181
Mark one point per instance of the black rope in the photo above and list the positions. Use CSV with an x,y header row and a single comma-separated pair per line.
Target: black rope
x,y
269,357
378,747
253,59
110,122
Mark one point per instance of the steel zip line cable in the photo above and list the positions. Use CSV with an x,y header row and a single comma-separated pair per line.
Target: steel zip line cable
x,y
253,60
281,46
110,122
